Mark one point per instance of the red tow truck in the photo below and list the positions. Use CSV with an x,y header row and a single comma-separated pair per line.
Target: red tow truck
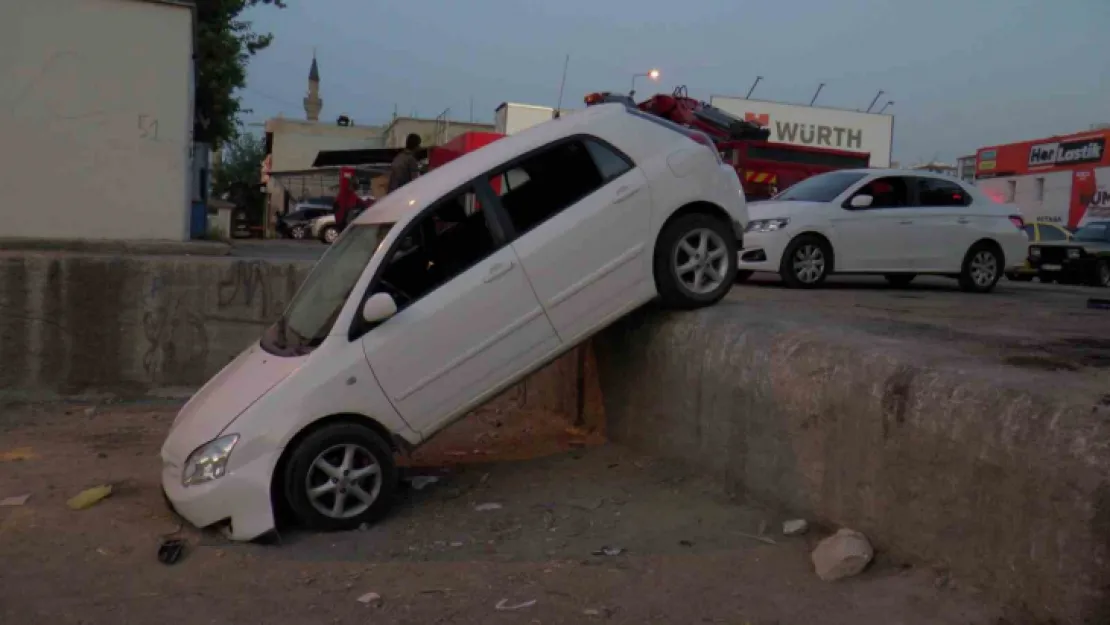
x,y
764,167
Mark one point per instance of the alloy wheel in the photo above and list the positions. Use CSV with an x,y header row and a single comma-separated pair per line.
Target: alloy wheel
x,y
331,234
700,261
343,481
984,268
298,232
809,263
1104,274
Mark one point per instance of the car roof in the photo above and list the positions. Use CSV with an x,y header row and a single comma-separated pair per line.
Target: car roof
x,y
418,194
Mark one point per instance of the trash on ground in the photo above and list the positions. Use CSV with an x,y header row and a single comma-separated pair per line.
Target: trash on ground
x,y
90,411
762,539
609,551
794,527
503,605
89,497
420,481
22,453
486,507
171,550
844,554
370,598
686,543
18,500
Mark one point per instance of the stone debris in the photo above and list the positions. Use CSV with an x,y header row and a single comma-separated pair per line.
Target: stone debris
x,y
844,554
794,527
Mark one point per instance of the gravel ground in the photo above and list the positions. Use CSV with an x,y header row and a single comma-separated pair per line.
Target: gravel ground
x,y
688,552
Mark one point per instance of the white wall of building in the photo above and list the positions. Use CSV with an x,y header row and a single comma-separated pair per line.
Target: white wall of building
x,y
510,117
1041,197
817,126
296,143
97,119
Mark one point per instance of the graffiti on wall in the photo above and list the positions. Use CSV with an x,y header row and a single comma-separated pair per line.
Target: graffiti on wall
x,y
176,342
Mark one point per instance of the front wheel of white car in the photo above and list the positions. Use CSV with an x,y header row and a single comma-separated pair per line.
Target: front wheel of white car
x,y
340,477
982,268
329,234
695,261
806,262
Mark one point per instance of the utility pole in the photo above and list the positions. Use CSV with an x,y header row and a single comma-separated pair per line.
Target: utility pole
x,y
472,109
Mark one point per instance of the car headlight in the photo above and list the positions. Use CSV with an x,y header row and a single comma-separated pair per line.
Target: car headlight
x,y
1035,252
767,225
209,461
1073,253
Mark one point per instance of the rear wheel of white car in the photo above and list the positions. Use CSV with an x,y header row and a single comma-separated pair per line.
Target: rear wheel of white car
x,y
806,262
695,261
340,477
329,234
982,268
297,232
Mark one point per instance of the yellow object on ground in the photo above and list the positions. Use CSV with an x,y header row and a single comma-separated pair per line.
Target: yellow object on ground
x,y
89,497
22,453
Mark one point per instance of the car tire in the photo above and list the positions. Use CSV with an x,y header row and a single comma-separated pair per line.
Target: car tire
x,y
900,280
806,262
297,232
982,268
329,234
346,448
1102,274
743,276
695,261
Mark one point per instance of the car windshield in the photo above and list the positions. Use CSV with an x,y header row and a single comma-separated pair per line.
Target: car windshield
x,y
1093,232
311,314
822,188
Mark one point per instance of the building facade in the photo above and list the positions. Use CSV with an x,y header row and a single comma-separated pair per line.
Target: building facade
x,y
100,119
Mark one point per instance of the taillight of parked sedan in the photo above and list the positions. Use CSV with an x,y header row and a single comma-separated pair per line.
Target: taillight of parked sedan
x,y
1018,222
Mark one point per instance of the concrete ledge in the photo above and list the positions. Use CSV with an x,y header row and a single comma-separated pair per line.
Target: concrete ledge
x,y
135,248
999,473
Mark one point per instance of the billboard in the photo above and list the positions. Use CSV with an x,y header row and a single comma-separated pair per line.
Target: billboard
x,y
1065,152
817,126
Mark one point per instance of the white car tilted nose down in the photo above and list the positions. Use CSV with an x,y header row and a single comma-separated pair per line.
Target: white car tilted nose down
x,y
896,223
441,295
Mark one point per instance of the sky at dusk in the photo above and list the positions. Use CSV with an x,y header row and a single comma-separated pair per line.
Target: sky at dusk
x,y
962,73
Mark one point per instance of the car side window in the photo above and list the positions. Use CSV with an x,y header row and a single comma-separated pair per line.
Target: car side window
x,y
936,193
1030,232
1052,233
441,244
546,183
891,192
611,164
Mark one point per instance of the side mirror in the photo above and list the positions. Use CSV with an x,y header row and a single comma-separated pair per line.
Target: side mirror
x,y
379,307
861,201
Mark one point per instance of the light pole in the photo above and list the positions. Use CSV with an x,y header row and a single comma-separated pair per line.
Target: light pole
x,y
891,102
653,74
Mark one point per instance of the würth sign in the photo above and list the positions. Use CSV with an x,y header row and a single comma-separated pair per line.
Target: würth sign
x,y
816,126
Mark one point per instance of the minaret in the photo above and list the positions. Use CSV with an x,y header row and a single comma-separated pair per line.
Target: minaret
x,y
312,101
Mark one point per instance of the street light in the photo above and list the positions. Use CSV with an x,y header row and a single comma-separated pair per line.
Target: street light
x,y
653,74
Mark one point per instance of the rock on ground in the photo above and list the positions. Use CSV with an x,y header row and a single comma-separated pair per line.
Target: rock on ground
x,y
844,554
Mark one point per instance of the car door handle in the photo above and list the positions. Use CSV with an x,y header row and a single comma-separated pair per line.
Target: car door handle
x,y
963,220
627,191
497,271
906,223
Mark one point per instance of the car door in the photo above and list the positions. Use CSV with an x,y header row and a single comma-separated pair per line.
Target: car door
x,y
468,319
945,224
876,238
581,211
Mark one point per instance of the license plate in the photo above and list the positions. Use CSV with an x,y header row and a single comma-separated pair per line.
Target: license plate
x,y
1051,267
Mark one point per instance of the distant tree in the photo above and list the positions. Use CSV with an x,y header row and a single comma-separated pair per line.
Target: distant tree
x,y
225,44
240,172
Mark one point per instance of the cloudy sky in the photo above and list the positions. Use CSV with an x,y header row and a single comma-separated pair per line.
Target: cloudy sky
x,y
962,73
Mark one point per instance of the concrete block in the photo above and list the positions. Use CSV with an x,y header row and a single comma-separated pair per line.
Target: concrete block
x,y
844,554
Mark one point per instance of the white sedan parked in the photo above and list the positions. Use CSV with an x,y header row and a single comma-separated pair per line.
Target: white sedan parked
x,y
895,223
441,295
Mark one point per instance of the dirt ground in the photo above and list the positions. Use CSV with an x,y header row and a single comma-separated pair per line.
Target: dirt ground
x,y
688,552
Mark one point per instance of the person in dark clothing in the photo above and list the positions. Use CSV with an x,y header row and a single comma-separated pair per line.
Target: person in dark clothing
x,y
404,168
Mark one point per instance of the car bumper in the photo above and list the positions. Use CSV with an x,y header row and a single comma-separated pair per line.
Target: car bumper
x,y
241,498
1077,268
762,251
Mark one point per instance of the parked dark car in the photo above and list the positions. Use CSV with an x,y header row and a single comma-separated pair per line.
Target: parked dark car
x,y
295,225
1085,259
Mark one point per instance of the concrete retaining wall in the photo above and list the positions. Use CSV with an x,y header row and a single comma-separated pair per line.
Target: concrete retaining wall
x,y
1000,476
86,324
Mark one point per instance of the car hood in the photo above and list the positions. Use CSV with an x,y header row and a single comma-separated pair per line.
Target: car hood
x,y
234,389
772,209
